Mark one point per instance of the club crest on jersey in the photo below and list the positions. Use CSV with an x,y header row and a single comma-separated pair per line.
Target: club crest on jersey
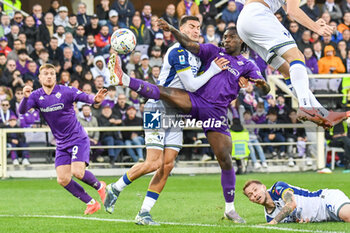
x,y
182,59
221,54
79,92
240,63
58,95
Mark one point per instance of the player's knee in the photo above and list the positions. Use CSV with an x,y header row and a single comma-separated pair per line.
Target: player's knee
x,y
63,180
152,166
168,167
225,161
78,174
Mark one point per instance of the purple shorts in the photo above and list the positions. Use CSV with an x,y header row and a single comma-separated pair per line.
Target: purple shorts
x,y
214,115
78,150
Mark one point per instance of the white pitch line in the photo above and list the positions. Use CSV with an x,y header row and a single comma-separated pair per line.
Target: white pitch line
x,y
168,223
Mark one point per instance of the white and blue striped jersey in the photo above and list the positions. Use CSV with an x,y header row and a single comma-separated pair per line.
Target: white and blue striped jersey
x,y
310,205
177,59
274,5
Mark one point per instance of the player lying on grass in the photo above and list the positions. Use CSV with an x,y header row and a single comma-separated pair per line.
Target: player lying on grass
x,y
55,102
211,101
286,203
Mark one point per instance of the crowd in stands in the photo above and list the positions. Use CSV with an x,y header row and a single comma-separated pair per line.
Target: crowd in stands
x,y
78,46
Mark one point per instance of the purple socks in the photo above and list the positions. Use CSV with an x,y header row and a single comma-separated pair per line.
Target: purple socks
x,y
91,180
78,191
228,182
144,88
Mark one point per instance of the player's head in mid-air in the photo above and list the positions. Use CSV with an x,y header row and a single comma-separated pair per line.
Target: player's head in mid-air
x,y
255,191
232,42
191,26
47,75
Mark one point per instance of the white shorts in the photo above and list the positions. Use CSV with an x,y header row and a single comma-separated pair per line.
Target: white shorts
x,y
334,200
159,139
259,28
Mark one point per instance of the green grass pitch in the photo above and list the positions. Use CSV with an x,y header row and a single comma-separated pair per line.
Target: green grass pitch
x,y
187,204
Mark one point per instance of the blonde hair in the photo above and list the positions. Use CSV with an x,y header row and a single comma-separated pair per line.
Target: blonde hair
x,y
46,66
249,182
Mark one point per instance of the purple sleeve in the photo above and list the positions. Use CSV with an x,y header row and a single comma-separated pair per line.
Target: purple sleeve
x,y
78,95
207,51
253,72
26,104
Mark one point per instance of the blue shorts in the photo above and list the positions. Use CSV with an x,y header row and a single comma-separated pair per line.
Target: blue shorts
x,y
78,150
205,111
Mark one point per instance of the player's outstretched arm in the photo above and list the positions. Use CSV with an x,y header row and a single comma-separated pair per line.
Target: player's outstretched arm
x,y
100,96
184,40
294,11
263,85
26,103
291,204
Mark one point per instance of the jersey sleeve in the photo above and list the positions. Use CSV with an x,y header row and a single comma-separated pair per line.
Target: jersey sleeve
x,y
178,58
279,189
253,72
27,103
78,95
206,51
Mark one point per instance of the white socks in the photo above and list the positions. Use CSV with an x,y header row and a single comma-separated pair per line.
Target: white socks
x,y
147,204
120,184
300,82
229,206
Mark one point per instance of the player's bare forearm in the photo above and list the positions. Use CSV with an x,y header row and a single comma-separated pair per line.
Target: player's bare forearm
x,y
263,85
185,41
287,209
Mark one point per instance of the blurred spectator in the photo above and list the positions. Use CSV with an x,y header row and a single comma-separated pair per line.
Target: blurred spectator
x,y
187,7
113,21
156,57
43,57
80,37
72,24
142,33
125,10
13,35
230,13
93,27
220,28
17,19
102,39
210,35
102,11
120,108
98,84
330,64
6,79
169,39
5,113
17,140
310,61
345,24
110,138
144,71
90,50
64,78
327,40
297,135
111,97
342,51
146,15
78,73
55,52
5,25
69,42
54,6
271,103
346,37
347,62
17,80
170,16
87,79
336,36
133,137
14,102
283,109
82,17
154,26
68,61
37,14
47,29
259,116
253,138
317,48
249,98
159,41
311,9
4,48
38,46
61,19
273,134
305,40
5,93
17,45
2,63
100,69
32,75
86,119
333,10
295,30
155,73
208,11
134,100
8,10
60,35
134,61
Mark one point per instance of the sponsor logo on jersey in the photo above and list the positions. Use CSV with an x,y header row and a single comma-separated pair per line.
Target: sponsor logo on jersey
x,y
53,108
233,71
182,59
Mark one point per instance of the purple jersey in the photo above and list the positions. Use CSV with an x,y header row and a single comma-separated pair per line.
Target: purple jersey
x,y
223,87
58,111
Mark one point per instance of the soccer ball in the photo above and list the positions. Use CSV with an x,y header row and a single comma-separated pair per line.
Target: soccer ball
x,y
123,41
